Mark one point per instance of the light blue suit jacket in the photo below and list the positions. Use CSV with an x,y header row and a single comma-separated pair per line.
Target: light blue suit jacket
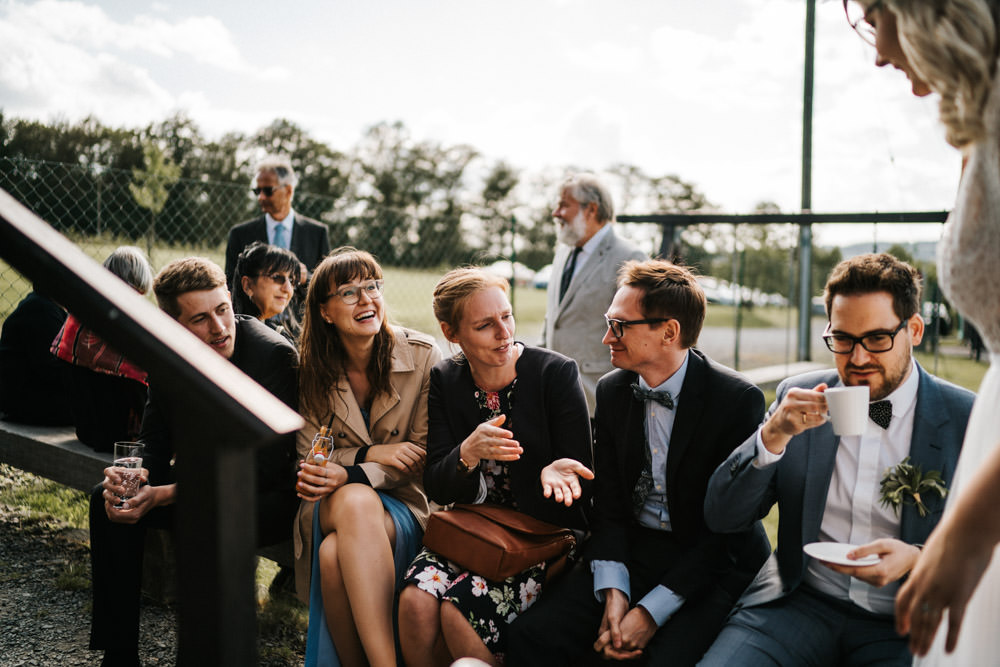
x,y
740,493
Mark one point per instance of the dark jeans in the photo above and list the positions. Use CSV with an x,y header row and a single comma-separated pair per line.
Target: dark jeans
x,y
116,552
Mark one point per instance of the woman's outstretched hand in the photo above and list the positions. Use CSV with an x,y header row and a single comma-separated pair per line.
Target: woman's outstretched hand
x,y
490,442
561,480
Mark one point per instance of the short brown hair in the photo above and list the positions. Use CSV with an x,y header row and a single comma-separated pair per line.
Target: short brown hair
x,y
668,291
190,274
870,273
456,287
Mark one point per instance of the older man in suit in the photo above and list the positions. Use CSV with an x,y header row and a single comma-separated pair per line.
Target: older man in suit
x,y
584,275
656,583
274,184
801,610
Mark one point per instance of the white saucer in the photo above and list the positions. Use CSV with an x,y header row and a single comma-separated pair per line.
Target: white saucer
x,y
836,553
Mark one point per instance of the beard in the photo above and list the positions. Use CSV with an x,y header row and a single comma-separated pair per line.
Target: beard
x,y
892,377
574,230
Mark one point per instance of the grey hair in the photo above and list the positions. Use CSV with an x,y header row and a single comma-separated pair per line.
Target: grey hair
x,y
129,263
280,166
587,189
952,46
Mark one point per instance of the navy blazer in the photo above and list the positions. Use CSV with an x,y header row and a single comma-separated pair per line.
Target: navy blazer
x,y
716,411
740,493
549,418
310,241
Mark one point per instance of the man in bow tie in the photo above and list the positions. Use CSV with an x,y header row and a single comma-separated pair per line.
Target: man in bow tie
x,y
656,583
800,610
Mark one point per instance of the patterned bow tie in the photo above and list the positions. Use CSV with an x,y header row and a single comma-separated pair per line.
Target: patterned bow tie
x,y
662,397
880,412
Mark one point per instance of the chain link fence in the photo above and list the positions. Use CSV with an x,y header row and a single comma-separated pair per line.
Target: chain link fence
x,y
95,208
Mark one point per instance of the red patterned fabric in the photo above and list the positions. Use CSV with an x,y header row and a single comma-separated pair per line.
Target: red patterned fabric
x,y
79,345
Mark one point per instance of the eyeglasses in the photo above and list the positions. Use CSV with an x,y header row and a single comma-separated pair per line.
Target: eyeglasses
x,y
618,326
351,294
858,17
268,190
874,342
278,278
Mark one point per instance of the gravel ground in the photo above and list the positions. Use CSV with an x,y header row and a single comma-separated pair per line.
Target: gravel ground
x,y
45,599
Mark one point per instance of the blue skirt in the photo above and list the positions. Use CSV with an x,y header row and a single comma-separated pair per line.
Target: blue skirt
x,y
320,651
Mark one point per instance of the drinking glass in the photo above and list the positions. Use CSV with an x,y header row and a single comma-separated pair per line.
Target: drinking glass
x,y
128,465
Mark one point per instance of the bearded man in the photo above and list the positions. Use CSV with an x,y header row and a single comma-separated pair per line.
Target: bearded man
x,y
584,277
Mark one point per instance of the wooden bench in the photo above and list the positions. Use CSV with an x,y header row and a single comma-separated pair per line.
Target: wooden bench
x,y
53,452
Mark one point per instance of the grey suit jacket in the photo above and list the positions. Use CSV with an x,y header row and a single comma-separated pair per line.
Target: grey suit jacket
x,y
576,326
740,493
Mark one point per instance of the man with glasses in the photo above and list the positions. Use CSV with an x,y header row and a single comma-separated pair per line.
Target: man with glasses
x,y
656,583
801,610
274,184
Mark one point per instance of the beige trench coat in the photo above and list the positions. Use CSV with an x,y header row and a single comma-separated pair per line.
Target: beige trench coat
x,y
399,417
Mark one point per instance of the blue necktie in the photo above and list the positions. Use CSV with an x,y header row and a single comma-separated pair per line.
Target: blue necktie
x,y
279,237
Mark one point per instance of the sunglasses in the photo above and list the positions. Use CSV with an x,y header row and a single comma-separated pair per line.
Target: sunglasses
x,y
268,190
278,278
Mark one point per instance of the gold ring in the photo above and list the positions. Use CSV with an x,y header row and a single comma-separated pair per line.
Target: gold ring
x,y
803,418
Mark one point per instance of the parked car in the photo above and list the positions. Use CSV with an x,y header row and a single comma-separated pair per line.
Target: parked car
x,y
542,277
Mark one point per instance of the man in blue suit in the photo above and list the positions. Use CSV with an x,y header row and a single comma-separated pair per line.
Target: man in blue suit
x,y
800,610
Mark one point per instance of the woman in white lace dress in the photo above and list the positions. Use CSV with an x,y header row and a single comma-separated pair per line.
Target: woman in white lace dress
x,y
950,47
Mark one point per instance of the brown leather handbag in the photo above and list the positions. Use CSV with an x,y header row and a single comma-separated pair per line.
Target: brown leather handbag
x,y
495,542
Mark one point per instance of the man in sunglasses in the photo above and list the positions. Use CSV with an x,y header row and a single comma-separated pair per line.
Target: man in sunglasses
x,y
655,583
193,292
274,184
834,489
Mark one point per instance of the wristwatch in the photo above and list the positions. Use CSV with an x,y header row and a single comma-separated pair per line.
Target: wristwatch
x,y
464,467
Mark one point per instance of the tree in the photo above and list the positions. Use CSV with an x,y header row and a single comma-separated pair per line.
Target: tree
x,y
149,188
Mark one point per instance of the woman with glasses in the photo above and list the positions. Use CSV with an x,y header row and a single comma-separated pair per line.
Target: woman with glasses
x,y
951,48
365,383
264,284
508,425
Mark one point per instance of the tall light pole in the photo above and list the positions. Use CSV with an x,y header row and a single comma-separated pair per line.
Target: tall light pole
x,y
805,229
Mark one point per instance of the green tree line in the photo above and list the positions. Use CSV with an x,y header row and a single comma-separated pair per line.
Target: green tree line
x,y
411,202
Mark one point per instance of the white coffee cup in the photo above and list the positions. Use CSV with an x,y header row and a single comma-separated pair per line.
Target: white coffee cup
x,y
848,408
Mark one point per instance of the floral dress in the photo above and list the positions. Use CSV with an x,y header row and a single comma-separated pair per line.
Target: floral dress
x,y
488,605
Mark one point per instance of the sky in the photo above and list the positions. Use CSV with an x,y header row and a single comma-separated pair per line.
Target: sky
x,y
710,91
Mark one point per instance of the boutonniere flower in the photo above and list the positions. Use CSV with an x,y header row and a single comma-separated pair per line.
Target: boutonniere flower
x,y
903,484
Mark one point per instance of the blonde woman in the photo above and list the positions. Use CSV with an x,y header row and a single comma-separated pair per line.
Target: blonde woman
x,y
950,48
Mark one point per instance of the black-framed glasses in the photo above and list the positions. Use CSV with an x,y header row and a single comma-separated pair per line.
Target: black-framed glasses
x,y
858,17
880,341
278,279
618,326
351,294
268,190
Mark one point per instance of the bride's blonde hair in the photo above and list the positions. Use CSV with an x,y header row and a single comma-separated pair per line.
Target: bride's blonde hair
x,y
952,46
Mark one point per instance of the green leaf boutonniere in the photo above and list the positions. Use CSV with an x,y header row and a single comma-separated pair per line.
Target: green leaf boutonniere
x,y
903,485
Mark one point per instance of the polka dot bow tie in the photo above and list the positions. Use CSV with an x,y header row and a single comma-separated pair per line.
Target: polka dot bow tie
x,y
662,397
880,412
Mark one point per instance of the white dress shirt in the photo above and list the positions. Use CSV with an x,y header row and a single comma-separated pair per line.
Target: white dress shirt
x,y
854,513
287,223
